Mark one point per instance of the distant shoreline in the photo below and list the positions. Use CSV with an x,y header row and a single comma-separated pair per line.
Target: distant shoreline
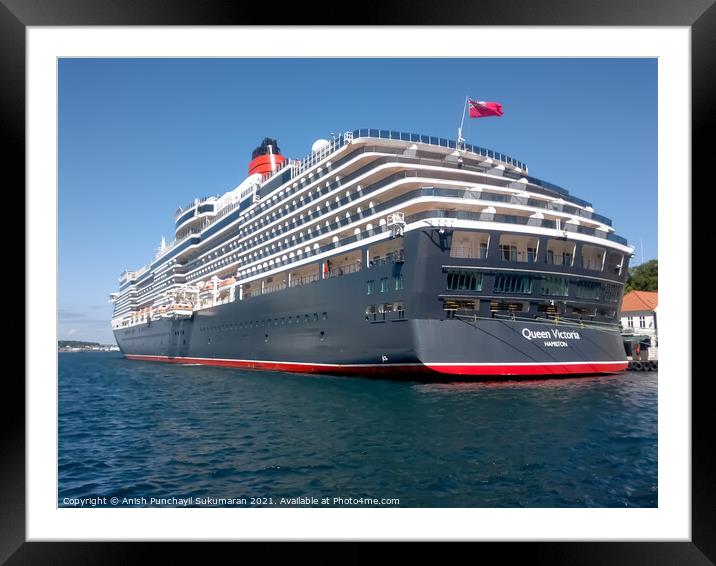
x,y
75,350
81,346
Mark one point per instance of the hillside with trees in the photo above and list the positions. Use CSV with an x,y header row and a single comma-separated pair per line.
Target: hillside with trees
x,y
644,277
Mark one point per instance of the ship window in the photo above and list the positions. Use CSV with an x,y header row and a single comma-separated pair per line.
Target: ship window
x,y
471,245
514,247
315,317
464,281
607,313
307,319
549,310
583,310
509,306
383,284
371,287
555,286
398,282
298,319
592,258
400,309
587,290
513,283
559,252
611,293
453,307
614,262
509,253
324,316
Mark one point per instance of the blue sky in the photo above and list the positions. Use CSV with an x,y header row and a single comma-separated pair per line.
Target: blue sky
x,y
140,137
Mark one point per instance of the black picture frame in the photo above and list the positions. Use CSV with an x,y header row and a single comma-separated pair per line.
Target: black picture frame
x,y
17,15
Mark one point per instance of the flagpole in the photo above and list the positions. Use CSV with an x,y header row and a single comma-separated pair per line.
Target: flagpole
x,y
459,130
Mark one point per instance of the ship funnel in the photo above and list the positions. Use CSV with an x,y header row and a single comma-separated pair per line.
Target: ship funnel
x,y
266,158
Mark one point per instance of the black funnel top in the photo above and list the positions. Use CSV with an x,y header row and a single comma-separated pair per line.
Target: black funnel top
x,y
263,148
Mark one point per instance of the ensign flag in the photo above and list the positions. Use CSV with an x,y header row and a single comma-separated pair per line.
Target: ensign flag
x,y
480,109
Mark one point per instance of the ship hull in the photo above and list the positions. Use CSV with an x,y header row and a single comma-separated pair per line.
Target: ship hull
x,y
322,327
441,349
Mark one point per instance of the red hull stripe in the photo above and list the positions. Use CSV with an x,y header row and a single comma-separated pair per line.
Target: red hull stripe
x,y
554,368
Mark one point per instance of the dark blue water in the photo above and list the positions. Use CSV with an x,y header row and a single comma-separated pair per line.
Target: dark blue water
x,y
132,429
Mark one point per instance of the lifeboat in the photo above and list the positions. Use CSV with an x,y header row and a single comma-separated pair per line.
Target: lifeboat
x,y
179,310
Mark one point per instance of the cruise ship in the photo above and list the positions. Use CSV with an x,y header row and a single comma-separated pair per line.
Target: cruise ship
x,y
383,253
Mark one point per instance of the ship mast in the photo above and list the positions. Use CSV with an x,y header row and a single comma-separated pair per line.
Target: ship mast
x,y
459,130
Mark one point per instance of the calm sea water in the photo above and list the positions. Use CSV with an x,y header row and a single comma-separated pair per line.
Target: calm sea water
x,y
147,430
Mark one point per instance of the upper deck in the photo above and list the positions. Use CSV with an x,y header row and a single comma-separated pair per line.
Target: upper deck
x,y
343,190
202,213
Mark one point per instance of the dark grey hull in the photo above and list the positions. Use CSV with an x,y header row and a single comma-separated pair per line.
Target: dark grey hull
x,y
323,327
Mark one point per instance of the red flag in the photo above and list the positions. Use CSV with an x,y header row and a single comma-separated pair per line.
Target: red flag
x,y
480,109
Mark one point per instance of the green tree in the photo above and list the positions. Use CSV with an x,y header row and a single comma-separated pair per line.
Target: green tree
x,y
644,277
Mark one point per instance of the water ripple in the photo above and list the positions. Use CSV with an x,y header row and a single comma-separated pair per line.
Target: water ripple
x,y
132,429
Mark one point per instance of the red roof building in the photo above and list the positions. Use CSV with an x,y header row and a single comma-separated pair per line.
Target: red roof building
x,y
639,312
640,301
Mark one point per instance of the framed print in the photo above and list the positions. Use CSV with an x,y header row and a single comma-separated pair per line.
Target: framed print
x,y
51,59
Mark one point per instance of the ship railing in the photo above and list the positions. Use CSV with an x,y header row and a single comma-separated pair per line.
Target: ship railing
x,y
192,204
428,214
175,243
277,287
555,320
133,274
462,314
225,210
379,316
317,156
428,191
345,269
456,193
396,256
298,166
468,252
510,219
299,281
435,140
268,289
